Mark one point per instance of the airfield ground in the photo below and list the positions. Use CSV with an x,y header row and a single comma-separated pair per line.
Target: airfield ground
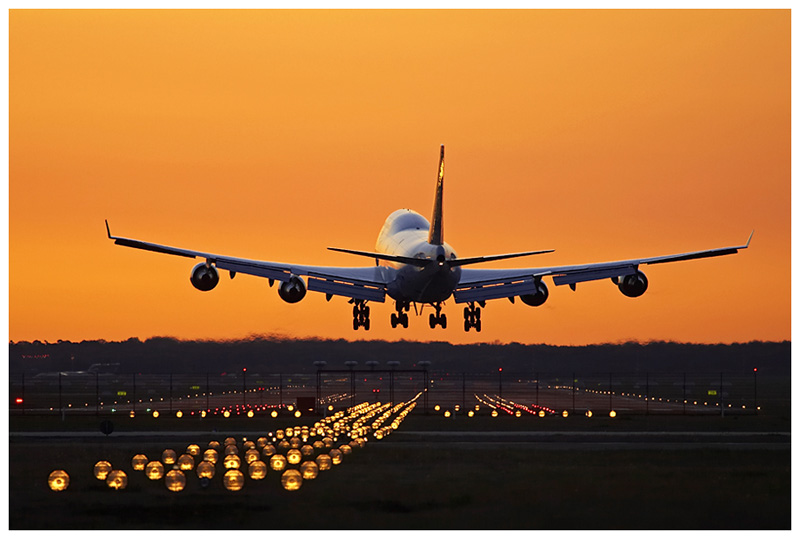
x,y
630,472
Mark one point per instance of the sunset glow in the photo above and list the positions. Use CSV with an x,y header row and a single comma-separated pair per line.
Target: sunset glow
x,y
273,135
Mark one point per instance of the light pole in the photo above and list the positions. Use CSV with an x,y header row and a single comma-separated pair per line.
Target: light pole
x,y
392,365
351,365
319,365
500,382
755,390
244,387
425,365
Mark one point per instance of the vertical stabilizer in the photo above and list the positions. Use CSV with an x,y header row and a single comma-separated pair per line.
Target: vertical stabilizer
x,y
436,235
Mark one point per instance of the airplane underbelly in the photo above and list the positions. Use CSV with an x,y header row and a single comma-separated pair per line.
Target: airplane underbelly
x,y
411,284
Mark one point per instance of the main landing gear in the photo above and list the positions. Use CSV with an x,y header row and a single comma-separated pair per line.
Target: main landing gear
x,y
472,317
400,318
438,319
360,315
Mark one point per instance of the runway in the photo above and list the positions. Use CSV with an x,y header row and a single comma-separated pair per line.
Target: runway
x,y
562,440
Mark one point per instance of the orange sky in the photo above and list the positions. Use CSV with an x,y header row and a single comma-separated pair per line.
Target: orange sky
x,y
274,134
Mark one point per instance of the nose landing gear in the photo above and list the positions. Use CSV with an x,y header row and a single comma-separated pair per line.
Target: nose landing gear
x,y
472,317
360,315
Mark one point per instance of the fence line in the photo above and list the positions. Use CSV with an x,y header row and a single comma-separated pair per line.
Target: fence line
x,y
635,393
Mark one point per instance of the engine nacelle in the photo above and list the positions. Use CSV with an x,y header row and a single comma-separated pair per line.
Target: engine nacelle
x,y
634,285
204,277
292,290
541,295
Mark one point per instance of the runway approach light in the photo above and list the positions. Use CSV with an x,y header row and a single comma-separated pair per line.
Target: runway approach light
x,y
565,413
541,413
251,455
294,456
309,470
257,470
205,470
588,413
277,463
494,413
336,456
268,450
193,450
291,480
232,462
274,413
58,480
612,413
175,480
117,479
233,480
211,455
186,462
168,457
101,469
154,470
324,462
138,462
155,413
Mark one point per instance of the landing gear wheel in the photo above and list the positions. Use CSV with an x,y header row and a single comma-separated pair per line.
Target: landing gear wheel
x,y
404,320
361,315
394,320
472,317
432,320
443,321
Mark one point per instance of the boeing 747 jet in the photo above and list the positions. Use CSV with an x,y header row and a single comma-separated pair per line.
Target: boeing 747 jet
x,y
414,266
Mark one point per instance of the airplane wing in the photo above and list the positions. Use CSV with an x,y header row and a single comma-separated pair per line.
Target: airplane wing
x,y
360,283
486,284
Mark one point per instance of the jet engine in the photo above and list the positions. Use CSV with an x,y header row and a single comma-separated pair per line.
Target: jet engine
x,y
541,295
292,290
204,277
632,286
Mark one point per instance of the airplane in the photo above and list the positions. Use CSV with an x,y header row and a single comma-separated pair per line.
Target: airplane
x,y
414,265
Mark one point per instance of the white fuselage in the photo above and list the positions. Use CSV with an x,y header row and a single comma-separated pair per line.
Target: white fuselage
x,y
405,233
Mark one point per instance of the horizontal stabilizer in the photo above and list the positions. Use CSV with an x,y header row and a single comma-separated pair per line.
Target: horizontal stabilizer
x,y
380,256
491,258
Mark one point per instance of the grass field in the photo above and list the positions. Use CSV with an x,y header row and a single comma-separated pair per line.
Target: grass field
x,y
414,480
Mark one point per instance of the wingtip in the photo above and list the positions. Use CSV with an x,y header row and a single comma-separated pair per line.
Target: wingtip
x,y
108,230
750,238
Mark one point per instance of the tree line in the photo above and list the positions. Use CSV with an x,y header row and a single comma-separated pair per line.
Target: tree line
x,y
274,355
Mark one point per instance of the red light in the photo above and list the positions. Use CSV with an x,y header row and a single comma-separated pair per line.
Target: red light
x,y
500,369
18,400
755,370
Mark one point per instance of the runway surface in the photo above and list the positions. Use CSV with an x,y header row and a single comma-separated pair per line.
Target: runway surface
x,y
564,440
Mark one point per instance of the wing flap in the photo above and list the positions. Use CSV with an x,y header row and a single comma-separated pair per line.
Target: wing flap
x,y
495,290
347,289
593,274
252,268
